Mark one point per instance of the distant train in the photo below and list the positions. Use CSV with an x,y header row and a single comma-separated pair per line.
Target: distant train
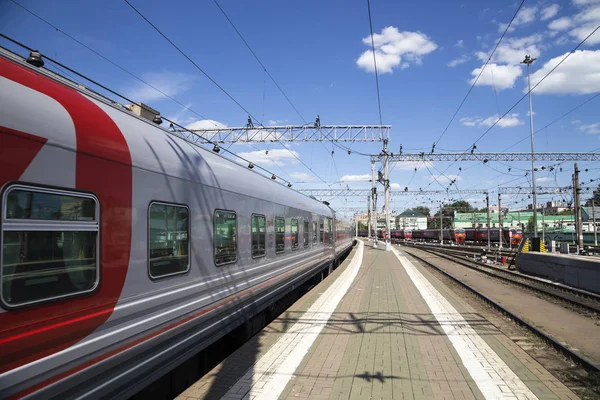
x,y
456,235
480,235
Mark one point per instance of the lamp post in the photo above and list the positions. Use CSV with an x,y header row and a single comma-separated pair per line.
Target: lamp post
x,y
528,60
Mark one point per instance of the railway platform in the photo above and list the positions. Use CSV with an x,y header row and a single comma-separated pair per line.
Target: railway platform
x,y
379,327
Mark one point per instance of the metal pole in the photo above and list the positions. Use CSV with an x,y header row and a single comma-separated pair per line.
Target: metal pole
x,y
487,202
578,208
441,225
386,182
528,60
374,194
594,222
543,226
369,226
501,237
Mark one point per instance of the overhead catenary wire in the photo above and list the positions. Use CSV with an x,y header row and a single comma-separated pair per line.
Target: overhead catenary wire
x,y
266,71
480,73
57,29
212,80
57,63
526,94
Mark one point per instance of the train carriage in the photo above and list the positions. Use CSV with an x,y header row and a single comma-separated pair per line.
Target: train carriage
x,y
127,248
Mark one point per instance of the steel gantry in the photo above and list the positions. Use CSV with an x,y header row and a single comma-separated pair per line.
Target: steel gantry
x,y
539,190
301,133
367,192
485,157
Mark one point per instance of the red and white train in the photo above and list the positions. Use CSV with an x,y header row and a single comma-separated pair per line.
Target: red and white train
x,y
480,235
456,235
126,248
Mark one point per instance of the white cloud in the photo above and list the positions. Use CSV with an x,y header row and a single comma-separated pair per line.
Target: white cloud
x,y
561,24
395,49
525,16
411,165
275,157
513,50
396,186
579,74
576,121
580,25
206,124
543,179
549,12
509,121
585,2
356,178
170,83
458,61
498,76
460,43
592,128
302,176
445,178
276,122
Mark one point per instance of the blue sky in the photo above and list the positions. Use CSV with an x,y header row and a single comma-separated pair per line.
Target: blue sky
x,y
319,53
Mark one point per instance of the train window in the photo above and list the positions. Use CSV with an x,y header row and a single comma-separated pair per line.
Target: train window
x,y
314,227
279,234
259,236
49,245
294,234
327,230
168,240
331,232
225,237
321,232
305,233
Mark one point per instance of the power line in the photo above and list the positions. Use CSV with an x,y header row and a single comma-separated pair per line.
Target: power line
x,y
536,85
555,121
212,80
271,77
374,62
110,61
59,64
260,62
480,73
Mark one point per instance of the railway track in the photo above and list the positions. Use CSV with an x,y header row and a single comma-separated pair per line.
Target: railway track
x,y
579,298
563,349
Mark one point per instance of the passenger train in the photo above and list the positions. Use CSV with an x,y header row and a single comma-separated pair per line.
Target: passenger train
x,y
456,235
126,248
480,235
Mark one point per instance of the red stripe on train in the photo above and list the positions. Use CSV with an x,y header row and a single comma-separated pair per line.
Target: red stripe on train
x,y
103,167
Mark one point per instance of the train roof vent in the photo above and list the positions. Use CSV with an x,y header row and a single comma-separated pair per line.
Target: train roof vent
x,y
144,111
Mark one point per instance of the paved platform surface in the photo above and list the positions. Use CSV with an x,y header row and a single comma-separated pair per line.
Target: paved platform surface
x,y
380,327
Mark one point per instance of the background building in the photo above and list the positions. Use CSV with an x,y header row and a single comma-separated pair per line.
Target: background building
x,y
411,220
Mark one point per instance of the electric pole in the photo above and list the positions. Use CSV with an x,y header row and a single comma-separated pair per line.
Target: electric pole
x,y
441,224
501,236
487,202
386,183
528,60
374,194
594,222
369,226
577,209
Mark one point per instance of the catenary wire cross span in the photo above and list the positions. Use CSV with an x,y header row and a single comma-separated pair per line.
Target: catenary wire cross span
x,y
59,64
214,81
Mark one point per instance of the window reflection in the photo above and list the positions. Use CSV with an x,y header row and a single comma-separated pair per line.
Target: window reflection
x,y
168,244
258,236
279,234
225,237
